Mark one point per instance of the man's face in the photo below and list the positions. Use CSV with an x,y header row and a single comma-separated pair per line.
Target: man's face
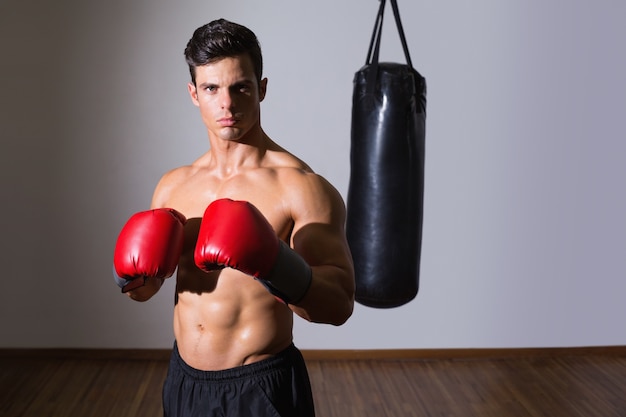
x,y
228,95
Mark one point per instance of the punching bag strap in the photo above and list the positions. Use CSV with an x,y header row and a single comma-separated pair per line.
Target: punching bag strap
x,y
374,48
396,14
372,52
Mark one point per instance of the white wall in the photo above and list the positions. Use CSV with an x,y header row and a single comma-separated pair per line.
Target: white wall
x,y
524,229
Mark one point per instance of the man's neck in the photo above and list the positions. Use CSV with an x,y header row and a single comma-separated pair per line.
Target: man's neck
x,y
230,156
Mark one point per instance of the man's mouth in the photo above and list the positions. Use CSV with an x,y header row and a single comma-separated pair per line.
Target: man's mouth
x,y
227,121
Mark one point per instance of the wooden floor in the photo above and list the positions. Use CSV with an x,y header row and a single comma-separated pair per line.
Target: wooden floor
x,y
586,385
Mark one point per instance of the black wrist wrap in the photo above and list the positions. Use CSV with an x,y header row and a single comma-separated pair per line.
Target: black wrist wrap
x,y
290,277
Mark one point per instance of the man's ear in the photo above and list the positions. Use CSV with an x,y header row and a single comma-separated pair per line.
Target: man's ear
x,y
262,88
193,93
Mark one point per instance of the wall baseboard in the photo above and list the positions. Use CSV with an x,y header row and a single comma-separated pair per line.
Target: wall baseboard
x,y
87,353
462,353
327,355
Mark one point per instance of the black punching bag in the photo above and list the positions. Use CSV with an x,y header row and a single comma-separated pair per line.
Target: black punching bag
x,y
385,195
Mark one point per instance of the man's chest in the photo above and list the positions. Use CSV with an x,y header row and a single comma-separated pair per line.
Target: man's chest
x,y
192,197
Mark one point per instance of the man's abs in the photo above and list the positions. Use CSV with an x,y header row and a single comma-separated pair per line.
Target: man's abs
x,y
230,322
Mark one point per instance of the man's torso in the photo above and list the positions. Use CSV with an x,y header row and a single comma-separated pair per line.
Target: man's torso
x,y
225,318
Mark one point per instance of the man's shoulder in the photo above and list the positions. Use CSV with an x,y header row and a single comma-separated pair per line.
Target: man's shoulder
x,y
286,162
171,181
304,184
183,172
296,174
176,175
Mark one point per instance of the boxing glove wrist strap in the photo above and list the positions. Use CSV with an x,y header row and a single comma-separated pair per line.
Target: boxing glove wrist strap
x,y
128,284
291,276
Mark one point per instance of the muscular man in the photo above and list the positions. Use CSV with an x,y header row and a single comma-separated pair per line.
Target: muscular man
x,y
233,318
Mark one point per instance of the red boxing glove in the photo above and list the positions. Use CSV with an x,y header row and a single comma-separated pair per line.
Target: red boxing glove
x,y
149,246
235,234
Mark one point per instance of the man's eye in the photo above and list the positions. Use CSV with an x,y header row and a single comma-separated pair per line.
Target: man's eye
x,y
210,88
244,88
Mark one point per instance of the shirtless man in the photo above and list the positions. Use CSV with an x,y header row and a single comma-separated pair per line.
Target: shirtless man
x,y
233,315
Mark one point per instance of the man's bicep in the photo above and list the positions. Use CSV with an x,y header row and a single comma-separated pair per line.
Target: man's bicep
x,y
319,234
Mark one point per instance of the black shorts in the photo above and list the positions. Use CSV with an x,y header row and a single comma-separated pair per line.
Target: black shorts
x,y
277,386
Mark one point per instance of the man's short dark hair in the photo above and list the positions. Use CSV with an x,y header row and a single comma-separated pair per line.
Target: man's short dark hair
x,y
222,39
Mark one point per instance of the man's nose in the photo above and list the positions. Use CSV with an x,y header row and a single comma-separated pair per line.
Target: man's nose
x,y
226,99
